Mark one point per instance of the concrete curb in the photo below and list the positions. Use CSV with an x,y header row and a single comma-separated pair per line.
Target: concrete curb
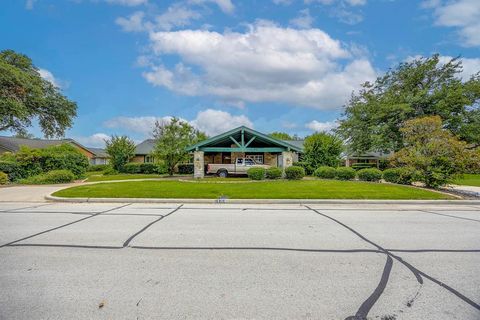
x,y
258,201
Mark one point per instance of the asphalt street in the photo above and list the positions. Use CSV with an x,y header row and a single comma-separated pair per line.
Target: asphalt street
x,y
221,261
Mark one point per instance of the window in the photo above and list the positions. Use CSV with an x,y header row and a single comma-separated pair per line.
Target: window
x,y
257,158
149,159
249,162
240,161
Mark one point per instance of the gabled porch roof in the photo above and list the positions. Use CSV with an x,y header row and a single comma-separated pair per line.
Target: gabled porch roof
x,y
244,140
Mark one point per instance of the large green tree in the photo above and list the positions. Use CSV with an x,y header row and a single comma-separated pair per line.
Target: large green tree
x,y
372,119
25,96
322,149
283,136
172,138
120,149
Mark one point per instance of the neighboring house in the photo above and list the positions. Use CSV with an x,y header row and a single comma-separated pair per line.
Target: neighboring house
x,y
243,142
367,157
143,151
13,144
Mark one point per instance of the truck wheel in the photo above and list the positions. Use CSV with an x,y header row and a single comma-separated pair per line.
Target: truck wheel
x,y
222,173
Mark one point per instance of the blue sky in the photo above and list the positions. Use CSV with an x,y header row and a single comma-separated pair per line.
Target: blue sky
x,y
274,65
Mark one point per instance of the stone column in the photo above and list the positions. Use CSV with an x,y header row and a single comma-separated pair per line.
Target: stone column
x,y
198,164
287,159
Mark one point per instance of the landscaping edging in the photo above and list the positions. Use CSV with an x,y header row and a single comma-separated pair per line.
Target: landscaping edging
x,y
257,201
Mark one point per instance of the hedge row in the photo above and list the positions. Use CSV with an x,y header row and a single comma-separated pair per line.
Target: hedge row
x,y
291,173
51,177
403,175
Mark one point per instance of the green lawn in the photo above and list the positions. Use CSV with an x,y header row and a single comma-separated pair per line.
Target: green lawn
x,y
306,189
100,177
468,180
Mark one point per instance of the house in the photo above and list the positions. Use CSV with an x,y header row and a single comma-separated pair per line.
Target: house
x,y
143,152
243,142
373,157
13,144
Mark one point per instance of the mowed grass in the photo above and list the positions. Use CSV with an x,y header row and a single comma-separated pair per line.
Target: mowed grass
x,y
468,180
101,177
306,189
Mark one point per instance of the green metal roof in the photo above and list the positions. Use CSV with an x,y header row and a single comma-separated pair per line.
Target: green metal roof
x,y
255,141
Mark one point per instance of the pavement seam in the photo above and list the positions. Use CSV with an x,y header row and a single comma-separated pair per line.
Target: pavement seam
x,y
449,216
63,225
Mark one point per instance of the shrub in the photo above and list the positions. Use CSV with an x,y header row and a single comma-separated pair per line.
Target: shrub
x,y
97,167
371,174
274,173
404,175
161,168
360,166
51,177
12,169
3,178
345,173
110,171
63,157
392,175
294,173
185,168
256,173
131,168
120,149
308,169
148,168
325,172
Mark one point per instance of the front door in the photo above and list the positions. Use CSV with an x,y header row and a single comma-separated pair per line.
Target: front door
x,y
280,160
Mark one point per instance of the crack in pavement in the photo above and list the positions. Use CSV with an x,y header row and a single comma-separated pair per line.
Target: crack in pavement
x,y
23,208
63,225
127,242
450,216
418,274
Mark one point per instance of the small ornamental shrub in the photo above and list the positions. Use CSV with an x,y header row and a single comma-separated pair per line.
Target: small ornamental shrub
x,y
3,178
161,168
97,167
131,168
110,171
51,177
308,169
392,175
185,168
371,174
294,173
403,175
325,172
256,173
274,173
345,173
148,168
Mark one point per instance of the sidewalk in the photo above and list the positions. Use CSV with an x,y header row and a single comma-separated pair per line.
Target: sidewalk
x,y
467,190
30,193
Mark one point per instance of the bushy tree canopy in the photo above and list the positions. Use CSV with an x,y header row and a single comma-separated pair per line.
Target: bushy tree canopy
x,y
25,95
422,87
283,136
433,151
172,139
120,149
322,149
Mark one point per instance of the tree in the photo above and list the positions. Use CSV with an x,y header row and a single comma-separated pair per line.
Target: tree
x,y
433,151
172,139
322,149
372,119
283,136
120,149
25,95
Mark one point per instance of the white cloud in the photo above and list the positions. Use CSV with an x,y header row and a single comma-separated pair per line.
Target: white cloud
x,y
283,2
47,75
304,20
134,23
176,16
142,125
318,126
210,121
129,3
29,4
266,63
343,10
213,122
224,5
352,3
96,140
462,14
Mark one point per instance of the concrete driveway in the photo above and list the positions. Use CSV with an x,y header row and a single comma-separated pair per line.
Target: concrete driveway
x,y
174,261
30,193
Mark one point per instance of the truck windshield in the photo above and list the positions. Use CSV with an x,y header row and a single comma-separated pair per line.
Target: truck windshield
x,y
249,162
239,161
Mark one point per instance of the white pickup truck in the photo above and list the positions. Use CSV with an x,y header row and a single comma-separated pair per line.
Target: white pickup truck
x,y
240,166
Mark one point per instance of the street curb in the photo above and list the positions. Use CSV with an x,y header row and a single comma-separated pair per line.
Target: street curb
x,y
258,201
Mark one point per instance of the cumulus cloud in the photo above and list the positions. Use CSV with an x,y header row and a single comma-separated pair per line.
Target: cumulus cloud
x,y
318,126
461,14
133,23
129,3
96,140
29,4
47,75
213,122
224,5
304,20
210,121
266,63
345,11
